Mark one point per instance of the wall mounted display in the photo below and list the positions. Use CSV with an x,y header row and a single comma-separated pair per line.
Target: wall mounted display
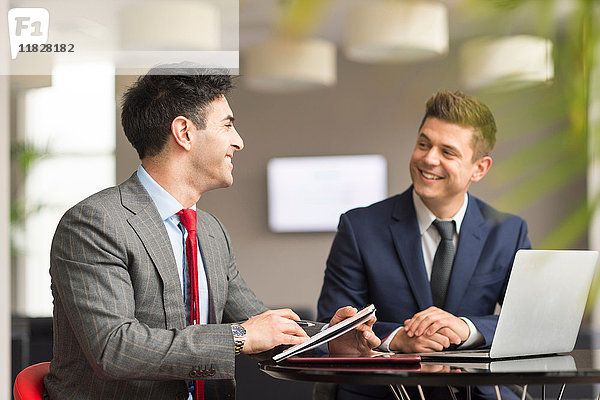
x,y
308,194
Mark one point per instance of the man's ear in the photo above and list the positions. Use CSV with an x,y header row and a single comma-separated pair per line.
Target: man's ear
x,y
180,129
482,166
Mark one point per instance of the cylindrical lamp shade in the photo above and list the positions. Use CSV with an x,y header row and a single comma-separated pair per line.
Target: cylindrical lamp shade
x,y
507,63
170,25
288,65
396,31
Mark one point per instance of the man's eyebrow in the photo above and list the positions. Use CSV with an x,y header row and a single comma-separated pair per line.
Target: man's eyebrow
x,y
452,148
444,146
228,118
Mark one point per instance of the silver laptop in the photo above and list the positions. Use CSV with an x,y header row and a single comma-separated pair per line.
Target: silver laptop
x,y
543,306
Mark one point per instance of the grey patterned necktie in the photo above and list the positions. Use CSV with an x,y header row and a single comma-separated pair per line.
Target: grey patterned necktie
x,y
442,262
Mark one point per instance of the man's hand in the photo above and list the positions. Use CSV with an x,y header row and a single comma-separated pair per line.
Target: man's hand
x,y
272,328
434,320
421,344
359,341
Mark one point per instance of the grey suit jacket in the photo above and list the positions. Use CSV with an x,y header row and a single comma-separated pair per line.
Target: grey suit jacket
x,y
119,320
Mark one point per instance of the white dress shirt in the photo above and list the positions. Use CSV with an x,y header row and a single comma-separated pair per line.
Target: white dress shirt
x,y
430,240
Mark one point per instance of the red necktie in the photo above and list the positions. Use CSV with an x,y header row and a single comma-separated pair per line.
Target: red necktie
x,y
188,220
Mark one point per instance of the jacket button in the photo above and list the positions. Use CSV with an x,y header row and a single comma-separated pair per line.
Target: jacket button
x,y
212,372
193,373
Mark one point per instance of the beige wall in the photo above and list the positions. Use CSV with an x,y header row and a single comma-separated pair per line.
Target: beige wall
x,y
126,157
372,109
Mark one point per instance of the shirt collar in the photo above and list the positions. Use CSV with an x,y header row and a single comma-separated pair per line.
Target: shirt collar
x,y
425,217
166,204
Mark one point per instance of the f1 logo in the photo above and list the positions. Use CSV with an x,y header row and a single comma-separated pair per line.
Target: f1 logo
x,y
27,26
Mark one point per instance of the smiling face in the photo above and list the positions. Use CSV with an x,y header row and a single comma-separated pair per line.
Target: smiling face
x,y
213,147
442,166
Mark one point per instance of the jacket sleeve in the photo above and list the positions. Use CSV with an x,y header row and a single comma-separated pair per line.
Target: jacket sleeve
x,y
93,288
345,281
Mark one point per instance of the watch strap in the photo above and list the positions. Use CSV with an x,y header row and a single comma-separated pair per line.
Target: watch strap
x,y
239,337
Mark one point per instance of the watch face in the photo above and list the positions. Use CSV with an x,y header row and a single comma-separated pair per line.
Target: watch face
x,y
238,330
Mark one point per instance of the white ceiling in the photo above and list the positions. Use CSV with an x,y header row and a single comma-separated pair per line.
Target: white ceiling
x,y
467,18
94,24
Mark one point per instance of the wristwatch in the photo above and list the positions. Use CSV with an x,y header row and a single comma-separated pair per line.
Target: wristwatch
x,y
239,337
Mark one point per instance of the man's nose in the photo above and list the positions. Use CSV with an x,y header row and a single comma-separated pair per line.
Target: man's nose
x,y
432,156
238,142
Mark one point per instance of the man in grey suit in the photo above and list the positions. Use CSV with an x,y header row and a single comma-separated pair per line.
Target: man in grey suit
x,y
119,269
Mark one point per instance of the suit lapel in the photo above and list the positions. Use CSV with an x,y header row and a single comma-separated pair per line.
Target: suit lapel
x,y
470,244
148,225
405,233
206,242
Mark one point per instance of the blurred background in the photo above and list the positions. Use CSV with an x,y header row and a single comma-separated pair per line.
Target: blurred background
x,y
317,78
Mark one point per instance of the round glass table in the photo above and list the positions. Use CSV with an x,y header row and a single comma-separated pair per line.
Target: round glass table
x,y
577,367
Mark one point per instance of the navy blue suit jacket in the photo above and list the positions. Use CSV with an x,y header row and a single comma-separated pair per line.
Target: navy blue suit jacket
x,y
376,257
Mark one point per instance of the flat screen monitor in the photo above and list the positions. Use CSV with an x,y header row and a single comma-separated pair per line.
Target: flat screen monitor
x,y
308,194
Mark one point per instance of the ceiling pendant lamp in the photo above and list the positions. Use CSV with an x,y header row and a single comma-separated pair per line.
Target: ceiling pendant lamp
x,y
506,63
288,64
390,31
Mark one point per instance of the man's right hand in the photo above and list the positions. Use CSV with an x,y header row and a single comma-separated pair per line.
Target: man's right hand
x,y
439,341
272,328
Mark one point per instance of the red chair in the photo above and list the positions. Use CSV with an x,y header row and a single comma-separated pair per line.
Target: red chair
x,y
29,384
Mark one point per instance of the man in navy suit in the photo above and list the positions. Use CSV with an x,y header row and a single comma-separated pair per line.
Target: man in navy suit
x,y
384,254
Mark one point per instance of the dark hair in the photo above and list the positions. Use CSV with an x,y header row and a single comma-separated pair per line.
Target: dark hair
x,y
152,103
464,110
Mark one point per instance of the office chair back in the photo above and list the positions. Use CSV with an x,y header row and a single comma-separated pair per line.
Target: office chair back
x,y
29,384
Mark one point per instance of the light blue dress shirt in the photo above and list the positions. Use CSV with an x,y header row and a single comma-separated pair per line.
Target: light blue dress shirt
x,y
168,207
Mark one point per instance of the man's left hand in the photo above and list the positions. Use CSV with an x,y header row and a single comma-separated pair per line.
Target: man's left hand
x,y
359,341
434,319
